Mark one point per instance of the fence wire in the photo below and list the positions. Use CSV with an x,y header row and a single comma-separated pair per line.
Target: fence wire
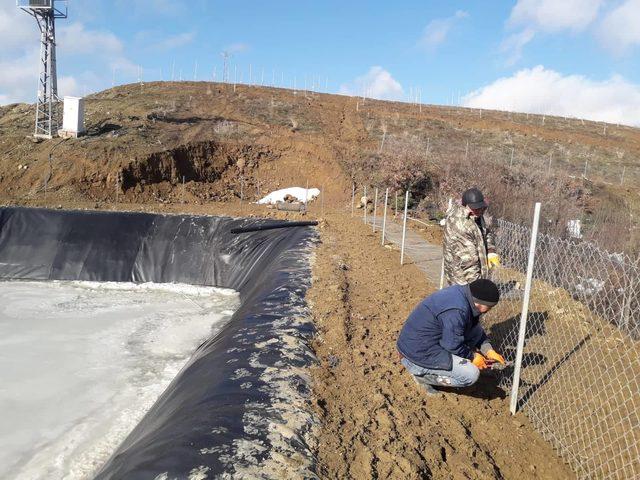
x,y
580,377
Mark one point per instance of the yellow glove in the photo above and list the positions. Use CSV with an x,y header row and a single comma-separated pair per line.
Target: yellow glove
x,y
495,356
493,260
479,361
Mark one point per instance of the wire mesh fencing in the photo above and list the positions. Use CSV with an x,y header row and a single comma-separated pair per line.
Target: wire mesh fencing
x,y
579,377
580,369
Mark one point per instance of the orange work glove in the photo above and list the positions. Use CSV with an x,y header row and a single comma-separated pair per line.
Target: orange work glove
x,y
495,356
479,361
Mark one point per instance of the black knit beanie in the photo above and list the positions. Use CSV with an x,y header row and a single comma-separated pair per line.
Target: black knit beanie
x,y
484,292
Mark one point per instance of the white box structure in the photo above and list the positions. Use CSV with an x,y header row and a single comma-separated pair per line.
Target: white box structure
x,y
73,118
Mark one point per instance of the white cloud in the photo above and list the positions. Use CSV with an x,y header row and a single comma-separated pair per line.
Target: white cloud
x,y
68,86
620,29
16,27
236,48
19,78
376,83
100,50
176,41
159,40
555,15
546,16
512,46
539,90
75,39
436,31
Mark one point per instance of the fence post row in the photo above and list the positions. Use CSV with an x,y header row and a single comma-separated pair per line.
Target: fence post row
x,y
404,227
525,311
384,216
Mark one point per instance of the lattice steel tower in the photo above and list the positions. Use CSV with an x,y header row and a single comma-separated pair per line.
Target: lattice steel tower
x,y
45,12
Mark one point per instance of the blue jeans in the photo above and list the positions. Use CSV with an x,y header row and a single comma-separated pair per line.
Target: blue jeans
x,y
462,374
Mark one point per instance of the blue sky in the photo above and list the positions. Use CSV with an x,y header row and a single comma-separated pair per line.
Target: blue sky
x,y
570,57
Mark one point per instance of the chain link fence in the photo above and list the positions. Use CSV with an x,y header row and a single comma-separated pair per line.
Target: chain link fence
x,y
580,371
579,379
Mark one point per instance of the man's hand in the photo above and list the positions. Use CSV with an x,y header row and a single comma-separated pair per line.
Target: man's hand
x,y
495,357
479,361
493,260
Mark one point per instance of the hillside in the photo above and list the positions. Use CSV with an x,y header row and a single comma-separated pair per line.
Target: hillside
x,y
145,140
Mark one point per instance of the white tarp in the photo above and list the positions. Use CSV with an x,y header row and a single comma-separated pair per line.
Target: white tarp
x,y
302,194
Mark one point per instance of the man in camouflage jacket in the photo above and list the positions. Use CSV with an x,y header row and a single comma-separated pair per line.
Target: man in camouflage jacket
x,y
469,249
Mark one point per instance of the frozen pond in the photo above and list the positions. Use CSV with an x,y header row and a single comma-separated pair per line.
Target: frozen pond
x,y
81,363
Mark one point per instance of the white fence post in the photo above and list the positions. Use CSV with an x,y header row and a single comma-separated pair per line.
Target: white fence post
x,y
365,204
375,209
404,227
384,216
353,198
442,266
525,311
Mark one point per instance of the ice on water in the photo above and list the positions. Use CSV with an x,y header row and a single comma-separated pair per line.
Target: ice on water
x,y
81,363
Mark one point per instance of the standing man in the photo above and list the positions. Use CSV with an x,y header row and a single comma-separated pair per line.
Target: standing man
x,y
468,247
442,342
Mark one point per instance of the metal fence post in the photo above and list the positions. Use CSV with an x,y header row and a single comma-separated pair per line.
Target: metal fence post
x,y
353,198
525,311
365,204
384,216
404,227
375,209
442,266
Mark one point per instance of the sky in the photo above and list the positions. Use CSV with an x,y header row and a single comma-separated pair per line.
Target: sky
x,y
575,58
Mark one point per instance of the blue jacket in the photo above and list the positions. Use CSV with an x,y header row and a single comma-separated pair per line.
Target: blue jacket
x,y
444,323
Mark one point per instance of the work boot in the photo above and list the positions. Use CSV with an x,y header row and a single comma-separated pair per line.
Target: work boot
x,y
426,386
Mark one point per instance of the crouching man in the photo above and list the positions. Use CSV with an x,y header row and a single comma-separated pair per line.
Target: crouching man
x,y
442,342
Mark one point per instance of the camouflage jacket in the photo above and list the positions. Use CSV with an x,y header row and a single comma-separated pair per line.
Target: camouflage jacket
x,y
466,245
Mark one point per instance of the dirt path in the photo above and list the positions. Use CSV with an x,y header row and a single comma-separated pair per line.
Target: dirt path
x,y
426,256
376,422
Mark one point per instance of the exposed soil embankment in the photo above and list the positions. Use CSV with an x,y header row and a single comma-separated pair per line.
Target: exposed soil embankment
x,y
200,162
211,169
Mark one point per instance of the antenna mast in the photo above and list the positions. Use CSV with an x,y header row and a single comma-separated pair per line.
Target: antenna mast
x,y
225,70
45,12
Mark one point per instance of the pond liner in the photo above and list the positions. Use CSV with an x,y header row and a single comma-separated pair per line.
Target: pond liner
x,y
240,406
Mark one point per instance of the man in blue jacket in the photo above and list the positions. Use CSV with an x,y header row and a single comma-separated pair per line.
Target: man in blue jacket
x,y
442,342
